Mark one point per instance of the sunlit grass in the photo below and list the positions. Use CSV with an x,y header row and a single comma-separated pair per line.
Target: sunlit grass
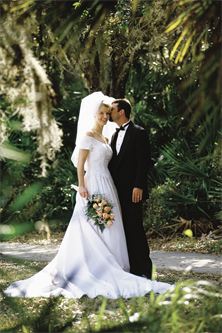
x,y
185,244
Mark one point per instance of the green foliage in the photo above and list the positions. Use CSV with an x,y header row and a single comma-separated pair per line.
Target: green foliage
x,y
199,47
22,200
165,57
189,193
56,198
8,232
215,247
203,194
52,197
158,213
28,195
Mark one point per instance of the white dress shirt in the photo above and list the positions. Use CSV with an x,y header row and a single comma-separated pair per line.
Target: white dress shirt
x,y
120,137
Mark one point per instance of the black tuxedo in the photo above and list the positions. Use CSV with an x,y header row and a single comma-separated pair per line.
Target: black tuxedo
x,y
129,169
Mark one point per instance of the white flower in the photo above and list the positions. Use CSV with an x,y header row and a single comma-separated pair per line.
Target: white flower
x,y
134,317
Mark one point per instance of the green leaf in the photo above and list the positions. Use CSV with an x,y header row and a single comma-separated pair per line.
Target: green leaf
x,y
12,230
10,152
179,20
27,196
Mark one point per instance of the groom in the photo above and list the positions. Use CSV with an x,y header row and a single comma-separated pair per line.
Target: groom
x,y
129,167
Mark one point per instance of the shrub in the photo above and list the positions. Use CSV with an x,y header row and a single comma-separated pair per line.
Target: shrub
x,y
157,211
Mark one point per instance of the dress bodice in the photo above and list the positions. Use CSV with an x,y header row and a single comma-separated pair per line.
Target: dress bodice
x,y
99,156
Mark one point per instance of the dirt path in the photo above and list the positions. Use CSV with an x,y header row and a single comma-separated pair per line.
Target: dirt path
x,y
177,261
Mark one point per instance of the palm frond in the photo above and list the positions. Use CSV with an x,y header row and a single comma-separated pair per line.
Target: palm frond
x,y
198,45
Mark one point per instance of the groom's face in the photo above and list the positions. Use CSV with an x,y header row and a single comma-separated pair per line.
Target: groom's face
x,y
115,113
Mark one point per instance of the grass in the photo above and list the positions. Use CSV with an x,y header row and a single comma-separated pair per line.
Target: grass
x,y
196,308
34,237
186,244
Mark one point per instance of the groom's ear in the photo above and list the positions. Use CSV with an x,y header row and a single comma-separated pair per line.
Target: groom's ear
x,y
122,112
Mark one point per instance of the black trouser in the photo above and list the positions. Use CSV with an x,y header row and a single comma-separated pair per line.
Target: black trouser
x,y
137,245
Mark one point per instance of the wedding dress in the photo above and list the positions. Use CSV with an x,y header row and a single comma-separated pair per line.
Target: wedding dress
x,y
90,262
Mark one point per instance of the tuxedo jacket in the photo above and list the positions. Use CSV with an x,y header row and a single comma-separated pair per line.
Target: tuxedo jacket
x,y
130,167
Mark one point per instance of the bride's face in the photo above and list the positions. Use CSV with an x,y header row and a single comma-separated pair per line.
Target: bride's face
x,y
102,115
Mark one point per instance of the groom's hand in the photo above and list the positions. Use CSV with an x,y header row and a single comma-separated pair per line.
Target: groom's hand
x,y
137,195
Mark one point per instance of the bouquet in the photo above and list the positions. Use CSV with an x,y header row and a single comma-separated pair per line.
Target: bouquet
x,y
100,211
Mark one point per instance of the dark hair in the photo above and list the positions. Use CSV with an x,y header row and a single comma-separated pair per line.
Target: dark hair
x,y
123,104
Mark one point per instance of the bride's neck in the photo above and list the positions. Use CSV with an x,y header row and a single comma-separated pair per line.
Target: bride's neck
x,y
98,129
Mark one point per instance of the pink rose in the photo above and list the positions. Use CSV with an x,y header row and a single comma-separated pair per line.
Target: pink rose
x,y
106,216
99,213
107,209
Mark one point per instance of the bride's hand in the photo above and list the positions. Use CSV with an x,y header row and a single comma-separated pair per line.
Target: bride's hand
x,y
83,192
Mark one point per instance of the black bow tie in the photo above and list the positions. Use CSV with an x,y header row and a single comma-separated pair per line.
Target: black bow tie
x,y
121,128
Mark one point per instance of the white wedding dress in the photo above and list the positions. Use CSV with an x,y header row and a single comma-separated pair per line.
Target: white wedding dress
x,y
90,262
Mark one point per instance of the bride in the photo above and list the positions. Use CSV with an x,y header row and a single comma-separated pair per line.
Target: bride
x,y
90,262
